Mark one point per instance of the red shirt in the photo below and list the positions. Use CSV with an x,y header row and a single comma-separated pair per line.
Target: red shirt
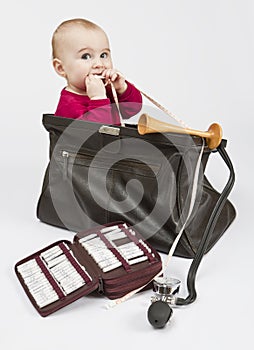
x,y
76,106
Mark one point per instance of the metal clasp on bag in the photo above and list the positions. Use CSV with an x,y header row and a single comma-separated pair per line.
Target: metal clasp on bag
x,y
110,130
65,156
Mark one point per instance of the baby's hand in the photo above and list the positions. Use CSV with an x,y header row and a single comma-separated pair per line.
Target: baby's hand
x,y
95,88
116,78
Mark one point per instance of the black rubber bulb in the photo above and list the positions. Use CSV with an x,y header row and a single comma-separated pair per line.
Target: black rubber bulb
x,y
159,314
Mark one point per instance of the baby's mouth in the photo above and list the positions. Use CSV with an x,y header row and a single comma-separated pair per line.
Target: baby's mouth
x,y
99,76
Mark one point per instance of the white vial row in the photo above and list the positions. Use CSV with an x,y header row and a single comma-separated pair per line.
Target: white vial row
x,y
103,255
37,283
63,271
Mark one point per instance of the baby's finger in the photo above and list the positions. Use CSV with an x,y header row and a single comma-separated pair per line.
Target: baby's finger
x,y
108,73
114,76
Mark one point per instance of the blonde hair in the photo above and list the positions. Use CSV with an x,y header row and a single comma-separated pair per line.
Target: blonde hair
x,y
68,24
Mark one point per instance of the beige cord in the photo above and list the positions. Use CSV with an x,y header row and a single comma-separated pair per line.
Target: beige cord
x,y
157,104
117,103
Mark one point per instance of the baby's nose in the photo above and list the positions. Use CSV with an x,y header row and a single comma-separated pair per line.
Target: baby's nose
x,y
97,62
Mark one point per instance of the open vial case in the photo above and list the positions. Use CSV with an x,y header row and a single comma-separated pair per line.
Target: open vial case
x,y
113,259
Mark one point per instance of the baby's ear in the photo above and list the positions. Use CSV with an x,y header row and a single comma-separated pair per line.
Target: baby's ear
x,y
57,64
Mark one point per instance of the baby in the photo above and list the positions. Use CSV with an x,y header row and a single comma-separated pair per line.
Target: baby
x,y
81,55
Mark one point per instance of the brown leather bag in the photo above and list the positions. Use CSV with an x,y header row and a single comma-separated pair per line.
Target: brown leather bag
x,y
99,174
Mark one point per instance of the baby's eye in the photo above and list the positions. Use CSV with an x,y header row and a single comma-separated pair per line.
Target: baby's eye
x,y
104,55
86,56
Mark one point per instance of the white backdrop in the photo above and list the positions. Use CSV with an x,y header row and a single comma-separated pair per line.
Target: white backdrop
x,y
196,58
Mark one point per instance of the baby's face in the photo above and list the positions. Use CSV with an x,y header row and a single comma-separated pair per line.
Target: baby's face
x,y
82,52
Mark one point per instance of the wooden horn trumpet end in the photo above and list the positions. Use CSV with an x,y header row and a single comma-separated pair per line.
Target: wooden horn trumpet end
x,y
215,137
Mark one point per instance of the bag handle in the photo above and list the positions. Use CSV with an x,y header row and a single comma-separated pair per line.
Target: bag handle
x,y
209,230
